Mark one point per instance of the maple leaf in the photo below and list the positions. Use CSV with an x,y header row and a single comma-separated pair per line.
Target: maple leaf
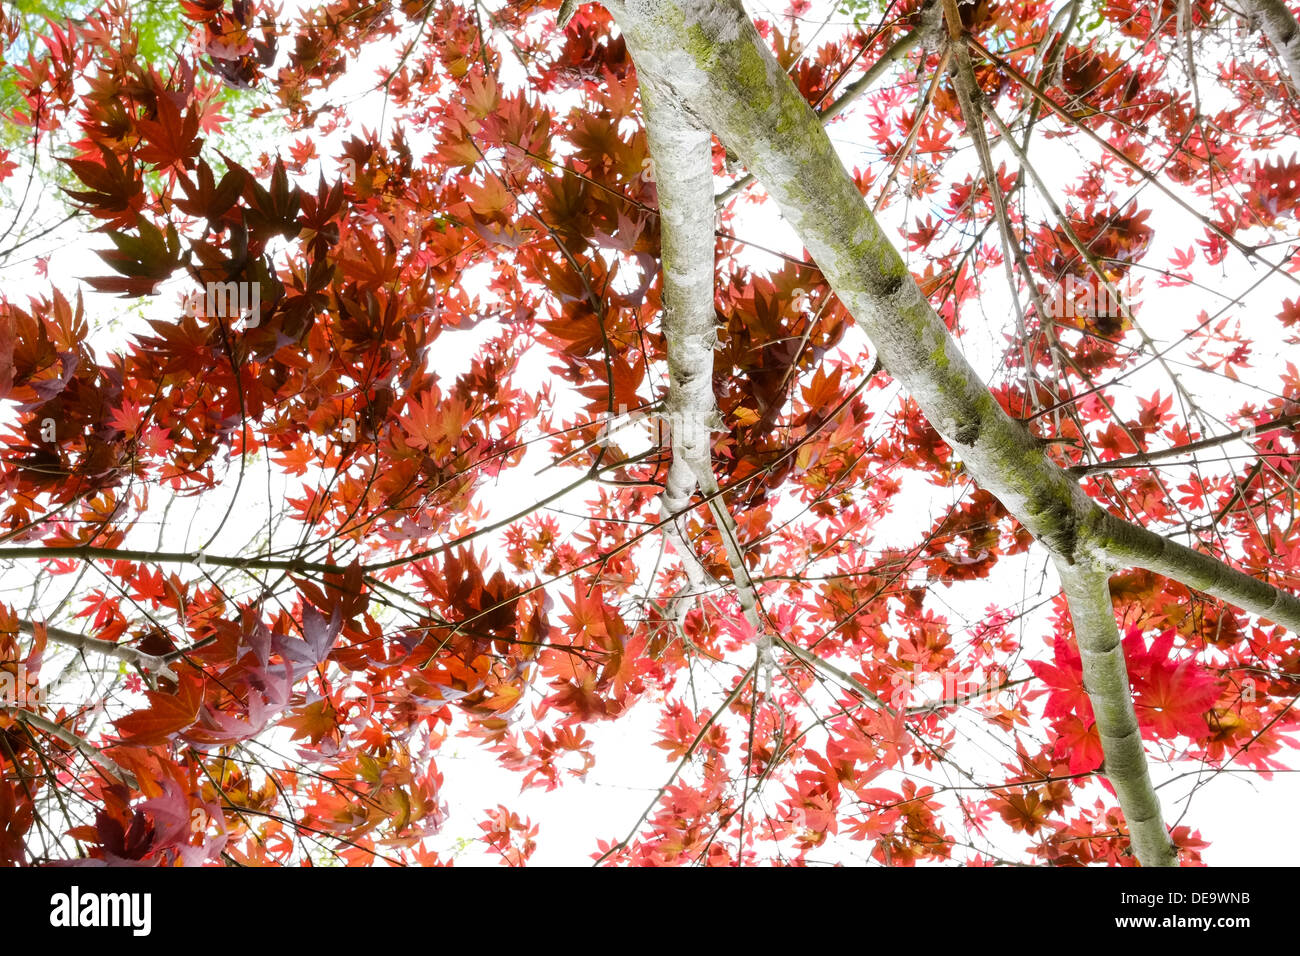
x,y
172,139
1023,810
313,721
297,459
1080,743
166,715
146,259
1290,314
1171,697
1068,695
116,193
127,419
426,425
319,635
16,817
124,843
174,814
209,198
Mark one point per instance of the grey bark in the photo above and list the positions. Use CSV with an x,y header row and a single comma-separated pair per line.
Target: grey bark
x,y
149,662
684,181
1280,27
683,164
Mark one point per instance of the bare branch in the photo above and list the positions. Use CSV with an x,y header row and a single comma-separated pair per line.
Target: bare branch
x,y
1150,457
89,750
150,662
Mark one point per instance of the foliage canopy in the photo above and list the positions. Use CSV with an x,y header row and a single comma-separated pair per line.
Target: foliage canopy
x,y
428,482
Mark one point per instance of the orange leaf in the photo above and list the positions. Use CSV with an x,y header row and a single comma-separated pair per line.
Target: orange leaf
x,y
167,714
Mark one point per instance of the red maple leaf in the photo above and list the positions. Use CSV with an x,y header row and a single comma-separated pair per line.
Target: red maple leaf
x,y
1171,696
173,138
1080,742
1068,695
167,714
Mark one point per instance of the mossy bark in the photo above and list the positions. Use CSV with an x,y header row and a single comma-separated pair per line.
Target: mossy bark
x,y
1105,676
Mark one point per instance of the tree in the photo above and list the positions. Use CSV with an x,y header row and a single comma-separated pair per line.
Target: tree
x,y
705,446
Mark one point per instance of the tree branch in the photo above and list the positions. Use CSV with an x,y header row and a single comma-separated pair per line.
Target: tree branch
x,y
1282,31
673,504
1148,457
682,150
899,49
89,750
295,565
816,662
1105,677
1123,544
149,662
1104,673
682,155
